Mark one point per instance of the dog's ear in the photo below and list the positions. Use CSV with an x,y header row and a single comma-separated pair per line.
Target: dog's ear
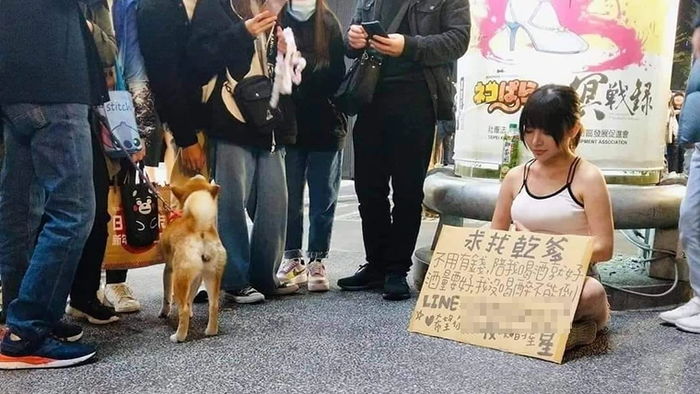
x,y
178,191
214,190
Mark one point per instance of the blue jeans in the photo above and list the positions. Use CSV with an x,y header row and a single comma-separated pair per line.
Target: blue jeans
x,y
322,171
251,179
689,225
46,147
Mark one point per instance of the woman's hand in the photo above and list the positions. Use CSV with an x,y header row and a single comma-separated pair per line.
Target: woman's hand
x,y
194,158
357,37
281,41
260,23
140,155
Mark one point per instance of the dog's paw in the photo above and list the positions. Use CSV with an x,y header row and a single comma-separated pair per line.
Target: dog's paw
x,y
175,339
211,332
164,312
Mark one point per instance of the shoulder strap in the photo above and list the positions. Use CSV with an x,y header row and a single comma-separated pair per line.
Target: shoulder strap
x,y
572,170
526,172
394,25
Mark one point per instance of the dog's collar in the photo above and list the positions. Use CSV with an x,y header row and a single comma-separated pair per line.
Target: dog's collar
x,y
176,214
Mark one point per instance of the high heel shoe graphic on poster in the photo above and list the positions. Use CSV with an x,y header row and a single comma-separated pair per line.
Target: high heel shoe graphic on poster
x,y
538,19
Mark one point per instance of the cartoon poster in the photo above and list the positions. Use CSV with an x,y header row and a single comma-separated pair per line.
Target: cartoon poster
x,y
617,54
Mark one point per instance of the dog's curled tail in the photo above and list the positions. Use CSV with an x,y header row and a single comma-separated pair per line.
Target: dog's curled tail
x,y
201,205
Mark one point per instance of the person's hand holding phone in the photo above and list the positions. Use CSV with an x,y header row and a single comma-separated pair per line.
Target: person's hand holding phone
x,y
357,37
260,23
391,46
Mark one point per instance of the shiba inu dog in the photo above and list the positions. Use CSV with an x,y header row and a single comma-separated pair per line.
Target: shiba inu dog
x,y
193,253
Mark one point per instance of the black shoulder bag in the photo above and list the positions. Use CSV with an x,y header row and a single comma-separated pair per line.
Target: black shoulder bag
x,y
357,88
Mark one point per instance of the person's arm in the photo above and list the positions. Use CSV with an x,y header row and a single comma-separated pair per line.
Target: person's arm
x,y
134,71
163,60
351,51
450,45
501,219
598,209
103,33
218,42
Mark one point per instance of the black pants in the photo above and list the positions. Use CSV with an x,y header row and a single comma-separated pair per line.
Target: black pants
x,y
87,275
393,139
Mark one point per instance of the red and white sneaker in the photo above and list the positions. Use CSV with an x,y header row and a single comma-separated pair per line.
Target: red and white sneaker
x,y
317,276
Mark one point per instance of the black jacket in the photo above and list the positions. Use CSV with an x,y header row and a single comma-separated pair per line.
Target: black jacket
x,y
47,54
164,30
439,36
219,41
319,126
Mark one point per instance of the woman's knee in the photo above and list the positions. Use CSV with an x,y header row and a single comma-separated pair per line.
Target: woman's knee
x,y
593,302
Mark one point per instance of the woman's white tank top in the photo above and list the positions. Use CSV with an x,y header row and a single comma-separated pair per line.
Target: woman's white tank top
x,y
557,213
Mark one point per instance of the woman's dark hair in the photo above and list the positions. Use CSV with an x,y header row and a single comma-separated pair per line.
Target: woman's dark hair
x,y
553,108
322,17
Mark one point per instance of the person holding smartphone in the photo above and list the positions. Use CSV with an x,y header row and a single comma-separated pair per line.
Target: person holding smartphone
x,y
393,136
229,42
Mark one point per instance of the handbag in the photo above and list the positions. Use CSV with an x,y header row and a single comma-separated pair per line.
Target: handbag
x,y
358,86
140,207
118,253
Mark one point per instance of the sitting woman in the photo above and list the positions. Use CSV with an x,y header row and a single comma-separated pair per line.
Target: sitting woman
x,y
557,192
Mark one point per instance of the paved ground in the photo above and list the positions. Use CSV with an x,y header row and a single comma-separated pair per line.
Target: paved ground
x,y
352,343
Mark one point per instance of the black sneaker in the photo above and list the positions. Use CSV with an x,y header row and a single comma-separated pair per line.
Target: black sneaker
x,y
396,288
16,353
365,278
93,311
67,332
201,298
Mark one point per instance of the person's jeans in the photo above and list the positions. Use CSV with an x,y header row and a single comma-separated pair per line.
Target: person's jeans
x,y
322,171
689,225
253,179
393,139
48,145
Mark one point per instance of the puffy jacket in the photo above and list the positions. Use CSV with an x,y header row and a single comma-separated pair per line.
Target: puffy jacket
x,y
439,35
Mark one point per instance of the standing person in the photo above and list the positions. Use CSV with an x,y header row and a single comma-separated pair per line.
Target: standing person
x,y
687,316
83,294
557,192
131,75
316,157
393,136
228,42
49,76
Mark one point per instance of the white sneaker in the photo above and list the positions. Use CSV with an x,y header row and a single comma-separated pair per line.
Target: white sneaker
x,y
121,298
292,271
690,324
317,276
689,309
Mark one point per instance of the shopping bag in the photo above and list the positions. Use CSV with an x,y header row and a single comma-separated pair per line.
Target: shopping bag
x,y
119,254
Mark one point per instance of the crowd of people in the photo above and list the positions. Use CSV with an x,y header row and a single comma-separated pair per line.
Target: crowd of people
x,y
182,62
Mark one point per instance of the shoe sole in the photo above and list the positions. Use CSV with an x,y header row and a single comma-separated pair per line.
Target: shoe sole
x,y
82,315
371,286
319,287
248,300
669,321
687,329
35,362
396,297
74,338
120,310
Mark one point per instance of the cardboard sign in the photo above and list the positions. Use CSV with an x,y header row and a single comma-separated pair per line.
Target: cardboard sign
x,y
506,290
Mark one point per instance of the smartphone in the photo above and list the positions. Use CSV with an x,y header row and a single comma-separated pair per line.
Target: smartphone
x,y
374,28
274,6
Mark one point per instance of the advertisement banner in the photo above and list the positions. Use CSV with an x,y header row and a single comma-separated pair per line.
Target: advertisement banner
x,y
618,56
